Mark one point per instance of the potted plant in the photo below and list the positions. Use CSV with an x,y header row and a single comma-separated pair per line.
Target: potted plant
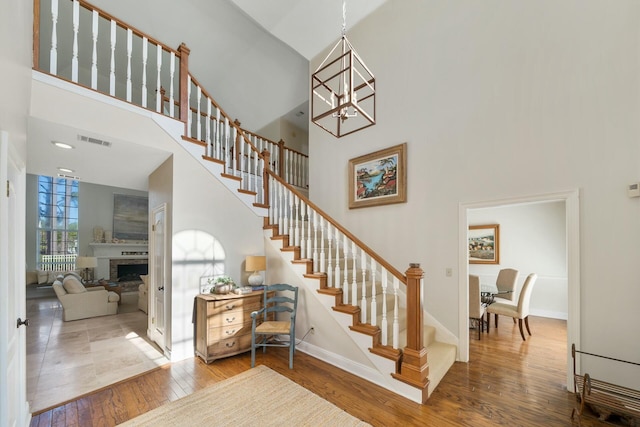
x,y
222,285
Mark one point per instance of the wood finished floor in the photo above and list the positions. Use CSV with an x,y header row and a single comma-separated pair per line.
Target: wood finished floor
x,y
507,382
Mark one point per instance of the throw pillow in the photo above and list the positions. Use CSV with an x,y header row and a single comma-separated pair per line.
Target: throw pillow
x,y
74,274
145,279
72,285
42,277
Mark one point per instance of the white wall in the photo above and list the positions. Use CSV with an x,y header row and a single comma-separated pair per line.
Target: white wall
x,y
293,136
533,239
501,100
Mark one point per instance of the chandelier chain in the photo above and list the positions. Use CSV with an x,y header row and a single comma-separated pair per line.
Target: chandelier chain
x,y
344,17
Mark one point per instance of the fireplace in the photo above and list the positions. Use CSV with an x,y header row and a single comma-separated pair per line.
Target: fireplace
x,y
127,269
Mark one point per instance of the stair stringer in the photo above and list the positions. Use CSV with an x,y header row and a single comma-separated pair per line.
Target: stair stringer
x,y
214,168
382,368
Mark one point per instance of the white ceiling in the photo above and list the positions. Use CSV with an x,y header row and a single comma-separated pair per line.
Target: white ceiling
x,y
308,26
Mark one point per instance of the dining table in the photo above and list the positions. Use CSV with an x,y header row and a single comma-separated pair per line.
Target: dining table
x,y
489,292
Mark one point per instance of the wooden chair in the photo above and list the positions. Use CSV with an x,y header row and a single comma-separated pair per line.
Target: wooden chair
x,y
282,305
476,308
520,311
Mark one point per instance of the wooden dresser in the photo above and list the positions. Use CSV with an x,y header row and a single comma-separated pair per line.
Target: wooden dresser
x,y
223,324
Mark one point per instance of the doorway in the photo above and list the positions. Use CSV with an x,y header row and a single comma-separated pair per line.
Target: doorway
x,y
571,203
158,268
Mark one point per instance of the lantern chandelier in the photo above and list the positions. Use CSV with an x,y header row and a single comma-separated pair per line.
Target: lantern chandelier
x,y
343,96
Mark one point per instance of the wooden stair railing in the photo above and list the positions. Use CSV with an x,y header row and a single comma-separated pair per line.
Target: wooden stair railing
x,y
303,227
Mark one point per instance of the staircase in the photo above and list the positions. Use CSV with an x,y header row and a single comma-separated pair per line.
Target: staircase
x,y
377,306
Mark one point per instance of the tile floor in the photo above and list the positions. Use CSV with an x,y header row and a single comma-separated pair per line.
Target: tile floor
x,y
68,359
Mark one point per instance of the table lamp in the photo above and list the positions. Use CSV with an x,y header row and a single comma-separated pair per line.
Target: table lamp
x,y
86,262
255,264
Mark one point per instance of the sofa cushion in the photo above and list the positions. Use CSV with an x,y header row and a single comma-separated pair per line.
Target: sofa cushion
x,y
31,277
72,285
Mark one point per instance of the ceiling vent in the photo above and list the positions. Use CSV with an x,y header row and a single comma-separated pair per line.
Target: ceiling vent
x,y
94,140
62,175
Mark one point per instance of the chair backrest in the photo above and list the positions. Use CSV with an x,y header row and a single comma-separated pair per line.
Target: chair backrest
x,y
506,281
475,305
525,295
285,300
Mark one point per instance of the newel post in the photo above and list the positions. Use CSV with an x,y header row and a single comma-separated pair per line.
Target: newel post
x,y
184,84
414,368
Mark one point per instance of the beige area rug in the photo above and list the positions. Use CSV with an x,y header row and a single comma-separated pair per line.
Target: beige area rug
x,y
258,396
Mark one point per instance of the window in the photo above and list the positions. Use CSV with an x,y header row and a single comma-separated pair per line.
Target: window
x,y
57,223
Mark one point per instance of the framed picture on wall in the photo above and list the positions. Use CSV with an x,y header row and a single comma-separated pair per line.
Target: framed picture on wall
x,y
130,217
378,178
484,244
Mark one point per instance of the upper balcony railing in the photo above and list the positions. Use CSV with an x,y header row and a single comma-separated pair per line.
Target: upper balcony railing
x,y
83,44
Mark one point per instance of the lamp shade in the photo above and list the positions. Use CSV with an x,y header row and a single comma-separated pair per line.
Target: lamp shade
x,y
256,263
86,262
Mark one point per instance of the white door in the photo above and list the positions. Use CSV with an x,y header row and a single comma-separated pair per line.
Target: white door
x,y
14,408
158,276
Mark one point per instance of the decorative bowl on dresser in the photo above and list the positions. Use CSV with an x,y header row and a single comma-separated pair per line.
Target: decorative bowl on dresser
x,y
223,324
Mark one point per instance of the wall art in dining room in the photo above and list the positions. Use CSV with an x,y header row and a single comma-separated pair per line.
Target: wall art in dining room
x,y
484,244
378,178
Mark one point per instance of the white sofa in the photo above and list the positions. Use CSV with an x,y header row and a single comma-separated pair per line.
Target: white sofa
x,y
79,302
143,293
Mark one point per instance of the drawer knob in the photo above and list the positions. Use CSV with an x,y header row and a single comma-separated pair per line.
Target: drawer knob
x,y
230,320
230,307
231,332
229,345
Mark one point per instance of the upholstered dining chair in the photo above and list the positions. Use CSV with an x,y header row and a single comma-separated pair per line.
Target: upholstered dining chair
x,y
520,311
476,308
266,330
506,284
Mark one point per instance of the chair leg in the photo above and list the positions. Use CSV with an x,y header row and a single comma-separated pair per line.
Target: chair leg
x,y
495,318
521,332
253,350
514,320
526,322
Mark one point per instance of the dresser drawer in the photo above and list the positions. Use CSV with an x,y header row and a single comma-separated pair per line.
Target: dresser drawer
x,y
229,331
229,346
242,304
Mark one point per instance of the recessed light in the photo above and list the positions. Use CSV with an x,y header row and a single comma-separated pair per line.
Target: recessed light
x,y
67,170
63,145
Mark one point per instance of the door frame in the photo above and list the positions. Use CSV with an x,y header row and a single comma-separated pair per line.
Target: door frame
x,y
572,218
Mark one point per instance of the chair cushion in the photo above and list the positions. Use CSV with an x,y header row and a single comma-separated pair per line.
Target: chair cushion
x,y
42,276
504,309
276,327
72,285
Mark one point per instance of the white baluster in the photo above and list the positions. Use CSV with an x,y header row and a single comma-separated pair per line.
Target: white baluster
x,y
129,50
374,302
94,54
289,219
112,72
384,324
396,313
241,168
296,174
322,254
354,275
308,255
218,141
345,283
256,170
296,211
172,71
315,243
53,53
145,57
281,218
303,240
76,27
189,114
363,303
337,258
227,152
329,260
198,115
208,129
159,99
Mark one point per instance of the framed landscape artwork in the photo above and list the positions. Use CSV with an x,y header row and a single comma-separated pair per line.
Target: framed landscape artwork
x,y
130,217
484,244
378,178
